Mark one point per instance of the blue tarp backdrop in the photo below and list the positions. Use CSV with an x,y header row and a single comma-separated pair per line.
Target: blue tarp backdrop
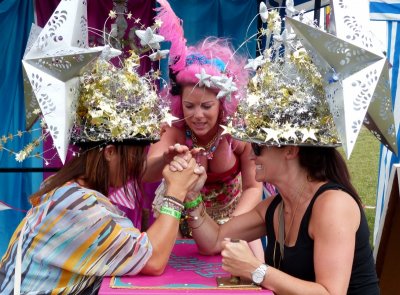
x,y
16,17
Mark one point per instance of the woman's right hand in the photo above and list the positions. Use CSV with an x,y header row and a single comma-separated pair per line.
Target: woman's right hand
x,y
174,150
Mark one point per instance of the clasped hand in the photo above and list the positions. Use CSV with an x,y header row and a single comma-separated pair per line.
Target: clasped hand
x,y
184,172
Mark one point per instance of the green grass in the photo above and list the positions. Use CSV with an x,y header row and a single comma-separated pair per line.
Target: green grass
x,y
363,167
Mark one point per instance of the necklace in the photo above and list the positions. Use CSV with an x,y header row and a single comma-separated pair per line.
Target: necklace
x,y
209,148
282,237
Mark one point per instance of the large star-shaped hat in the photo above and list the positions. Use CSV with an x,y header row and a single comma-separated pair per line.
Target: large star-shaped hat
x,y
354,77
52,65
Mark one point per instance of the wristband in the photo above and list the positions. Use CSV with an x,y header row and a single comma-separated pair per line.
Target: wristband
x,y
171,212
194,203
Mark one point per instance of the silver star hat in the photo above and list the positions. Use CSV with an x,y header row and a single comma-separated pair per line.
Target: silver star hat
x,y
81,96
313,88
285,102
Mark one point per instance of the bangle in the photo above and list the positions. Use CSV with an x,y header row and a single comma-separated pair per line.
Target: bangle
x,y
194,203
174,199
201,223
171,212
169,202
194,217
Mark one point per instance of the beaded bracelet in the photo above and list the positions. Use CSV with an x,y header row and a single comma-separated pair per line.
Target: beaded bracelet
x,y
194,203
174,199
171,212
168,202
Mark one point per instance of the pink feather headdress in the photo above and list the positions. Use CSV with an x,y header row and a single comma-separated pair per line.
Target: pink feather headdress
x,y
213,56
172,31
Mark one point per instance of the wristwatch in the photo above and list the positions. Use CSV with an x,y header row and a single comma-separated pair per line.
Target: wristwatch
x,y
258,275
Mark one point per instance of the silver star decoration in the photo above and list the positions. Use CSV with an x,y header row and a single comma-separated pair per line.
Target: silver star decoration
x,y
263,10
290,10
227,129
169,119
271,134
227,88
286,39
255,63
53,64
308,133
204,78
158,55
148,38
354,75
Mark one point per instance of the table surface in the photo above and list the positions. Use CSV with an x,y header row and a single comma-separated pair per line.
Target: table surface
x,y
187,272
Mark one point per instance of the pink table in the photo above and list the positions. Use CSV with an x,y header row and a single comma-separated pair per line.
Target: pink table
x,y
187,273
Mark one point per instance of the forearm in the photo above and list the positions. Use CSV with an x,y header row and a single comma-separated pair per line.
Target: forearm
x,y
163,232
154,168
249,199
205,231
162,235
282,283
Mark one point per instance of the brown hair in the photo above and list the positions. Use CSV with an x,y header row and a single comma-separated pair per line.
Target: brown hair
x,y
327,164
91,166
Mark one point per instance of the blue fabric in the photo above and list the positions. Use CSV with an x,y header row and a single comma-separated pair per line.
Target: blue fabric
x,y
221,18
16,17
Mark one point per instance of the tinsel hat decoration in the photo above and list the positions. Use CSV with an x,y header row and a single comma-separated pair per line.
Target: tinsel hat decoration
x,y
311,85
78,91
118,105
285,102
356,74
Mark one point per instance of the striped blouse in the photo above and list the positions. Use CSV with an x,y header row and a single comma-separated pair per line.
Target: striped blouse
x,y
73,238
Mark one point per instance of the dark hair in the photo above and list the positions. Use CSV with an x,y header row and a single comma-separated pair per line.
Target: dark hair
x,y
327,164
92,167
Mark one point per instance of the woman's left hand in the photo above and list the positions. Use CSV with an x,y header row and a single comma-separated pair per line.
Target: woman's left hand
x,y
238,258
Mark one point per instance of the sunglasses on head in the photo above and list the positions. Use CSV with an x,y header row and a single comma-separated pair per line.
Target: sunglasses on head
x,y
256,148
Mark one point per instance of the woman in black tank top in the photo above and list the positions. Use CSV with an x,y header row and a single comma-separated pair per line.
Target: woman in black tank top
x,y
318,237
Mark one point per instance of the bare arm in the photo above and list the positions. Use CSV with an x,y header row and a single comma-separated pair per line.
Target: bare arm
x,y
251,195
209,235
162,152
252,190
333,225
162,233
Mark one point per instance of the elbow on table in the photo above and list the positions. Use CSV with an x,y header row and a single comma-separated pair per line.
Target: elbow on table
x,y
154,268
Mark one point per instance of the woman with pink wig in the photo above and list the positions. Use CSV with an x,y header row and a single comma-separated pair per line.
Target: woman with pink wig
x,y
206,82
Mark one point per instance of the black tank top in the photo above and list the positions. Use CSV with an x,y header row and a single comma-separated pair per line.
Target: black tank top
x,y
299,261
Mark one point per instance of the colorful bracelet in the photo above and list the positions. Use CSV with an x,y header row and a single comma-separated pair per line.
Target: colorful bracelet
x,y
174,199
194,203
168,202
171,212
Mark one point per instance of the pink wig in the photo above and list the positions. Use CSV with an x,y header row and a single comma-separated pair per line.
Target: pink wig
x,y
214,55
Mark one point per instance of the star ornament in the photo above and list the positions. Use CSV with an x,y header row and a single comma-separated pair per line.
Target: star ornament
x,y
271,134
158,55
256,62
169,119
148,38
52,65
227,129
353,76
204,78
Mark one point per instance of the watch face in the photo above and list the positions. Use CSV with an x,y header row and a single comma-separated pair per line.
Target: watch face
x,y
258,276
